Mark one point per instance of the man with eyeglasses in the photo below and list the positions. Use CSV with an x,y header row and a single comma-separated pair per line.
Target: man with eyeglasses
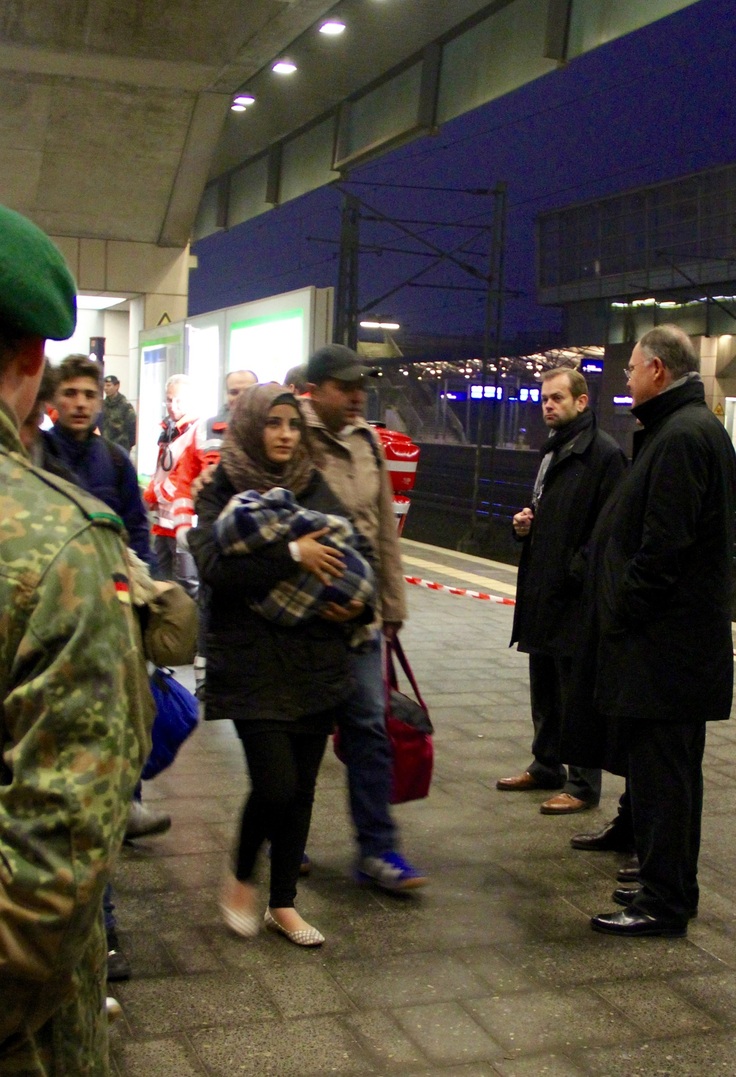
x,y
661,573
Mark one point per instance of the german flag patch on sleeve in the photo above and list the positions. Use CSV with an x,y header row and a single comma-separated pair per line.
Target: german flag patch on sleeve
x,y
122,587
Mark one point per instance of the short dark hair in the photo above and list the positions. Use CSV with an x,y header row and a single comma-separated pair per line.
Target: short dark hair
x,y
297,376
673,347
78,366
577,383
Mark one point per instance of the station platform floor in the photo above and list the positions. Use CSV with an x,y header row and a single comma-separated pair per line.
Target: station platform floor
x,y
492,969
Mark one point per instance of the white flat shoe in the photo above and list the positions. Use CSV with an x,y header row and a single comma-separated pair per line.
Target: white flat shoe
x,y
245,924
305,936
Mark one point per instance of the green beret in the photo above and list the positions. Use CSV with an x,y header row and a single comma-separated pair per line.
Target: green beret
x,y
38,296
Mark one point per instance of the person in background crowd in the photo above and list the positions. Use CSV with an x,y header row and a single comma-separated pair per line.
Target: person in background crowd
x,y
195,466
295,380
117,420
30,428
177,430
580,467
262,674
659,645
76,708
355,470
97,465
200,453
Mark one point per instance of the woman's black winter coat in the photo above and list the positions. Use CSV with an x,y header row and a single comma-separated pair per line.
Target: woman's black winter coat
x,y
256,669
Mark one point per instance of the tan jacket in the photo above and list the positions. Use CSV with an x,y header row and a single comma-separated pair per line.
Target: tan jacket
x,y
355,470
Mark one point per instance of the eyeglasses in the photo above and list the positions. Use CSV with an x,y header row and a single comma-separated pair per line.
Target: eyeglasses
x,y
629,370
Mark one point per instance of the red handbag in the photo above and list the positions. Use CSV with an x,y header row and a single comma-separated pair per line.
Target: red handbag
x,y
409,729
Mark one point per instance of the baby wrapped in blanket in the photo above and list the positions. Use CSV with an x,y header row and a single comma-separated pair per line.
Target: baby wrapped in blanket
x,y
251,521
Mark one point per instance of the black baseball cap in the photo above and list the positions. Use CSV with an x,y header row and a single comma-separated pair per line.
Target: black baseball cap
x,y
112,378
339,362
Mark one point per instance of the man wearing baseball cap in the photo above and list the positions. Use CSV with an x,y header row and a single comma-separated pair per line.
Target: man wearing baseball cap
x,y
355,469
75,701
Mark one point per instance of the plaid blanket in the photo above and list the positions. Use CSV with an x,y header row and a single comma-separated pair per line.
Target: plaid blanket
x,y
251,521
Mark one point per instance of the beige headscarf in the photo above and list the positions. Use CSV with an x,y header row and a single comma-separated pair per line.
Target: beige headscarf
x,y
243,455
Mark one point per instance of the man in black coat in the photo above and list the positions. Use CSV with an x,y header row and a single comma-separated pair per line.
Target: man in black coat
x,y
580,468
664,663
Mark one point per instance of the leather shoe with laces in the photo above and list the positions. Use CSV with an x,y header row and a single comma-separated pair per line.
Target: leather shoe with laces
x,y
631,924
608,839
520,783
564,804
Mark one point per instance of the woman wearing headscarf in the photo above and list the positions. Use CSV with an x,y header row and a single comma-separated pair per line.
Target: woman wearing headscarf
x,y
279,683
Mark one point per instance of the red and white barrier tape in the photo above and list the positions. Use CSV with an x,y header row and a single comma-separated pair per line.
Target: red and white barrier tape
x,y
460,591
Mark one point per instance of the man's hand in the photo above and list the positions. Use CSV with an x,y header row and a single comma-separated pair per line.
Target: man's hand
x,y
322,561
391,629
522,522
340,614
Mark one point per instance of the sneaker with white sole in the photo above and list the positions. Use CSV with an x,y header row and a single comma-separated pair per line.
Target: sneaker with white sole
x,y
143,820
389,871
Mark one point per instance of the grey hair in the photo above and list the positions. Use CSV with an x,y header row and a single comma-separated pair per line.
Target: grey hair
x,y
673,347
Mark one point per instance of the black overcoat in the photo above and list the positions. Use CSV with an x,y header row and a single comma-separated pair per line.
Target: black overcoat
x,y
656,632
579,480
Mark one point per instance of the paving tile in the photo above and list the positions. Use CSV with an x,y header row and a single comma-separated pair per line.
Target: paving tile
x,y
545,1020
401,981
305,1048
693,1056
655,1008
379,1032
304,991
714,994
547,1065
167,1057
446,1033
179,1004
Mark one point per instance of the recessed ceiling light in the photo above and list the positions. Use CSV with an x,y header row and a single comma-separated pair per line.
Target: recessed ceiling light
x,y
98,302
332,27
284,67
237,108
244,99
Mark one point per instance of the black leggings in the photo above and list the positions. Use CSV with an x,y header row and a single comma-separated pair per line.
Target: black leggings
x,y
283,767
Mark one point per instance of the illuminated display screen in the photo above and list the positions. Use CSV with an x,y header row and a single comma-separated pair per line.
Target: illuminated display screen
x,y
623,401
268,345
592,366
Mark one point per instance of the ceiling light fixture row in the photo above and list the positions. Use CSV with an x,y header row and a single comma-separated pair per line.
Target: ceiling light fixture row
x,y
285,66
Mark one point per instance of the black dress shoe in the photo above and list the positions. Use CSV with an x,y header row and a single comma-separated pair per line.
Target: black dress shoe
x,y
629,873
609,838
635,925
623,895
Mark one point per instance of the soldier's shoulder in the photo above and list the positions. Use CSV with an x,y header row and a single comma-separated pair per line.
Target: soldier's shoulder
x,y
49,502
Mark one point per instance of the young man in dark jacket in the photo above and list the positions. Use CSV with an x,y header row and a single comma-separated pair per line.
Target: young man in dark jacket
x,y
664,653
580,468
98,466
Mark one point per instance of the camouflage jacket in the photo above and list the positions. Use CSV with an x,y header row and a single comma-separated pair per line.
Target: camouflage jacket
x,y
119,421
76,711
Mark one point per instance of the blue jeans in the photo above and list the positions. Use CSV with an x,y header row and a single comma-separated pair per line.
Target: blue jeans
x,y
367,752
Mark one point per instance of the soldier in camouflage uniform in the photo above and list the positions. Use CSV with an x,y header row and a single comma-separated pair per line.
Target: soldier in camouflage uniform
x,y
117,419
75,703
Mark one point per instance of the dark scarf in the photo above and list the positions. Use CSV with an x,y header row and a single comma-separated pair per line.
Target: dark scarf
x,y
561,437
243,457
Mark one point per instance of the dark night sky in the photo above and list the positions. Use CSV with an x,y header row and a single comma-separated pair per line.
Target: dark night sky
x,y
651,106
